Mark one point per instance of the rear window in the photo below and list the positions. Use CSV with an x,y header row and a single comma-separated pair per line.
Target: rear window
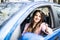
x,y
57,8
7,10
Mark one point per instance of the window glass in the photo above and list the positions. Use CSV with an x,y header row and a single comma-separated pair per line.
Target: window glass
x,y
57,8
7,10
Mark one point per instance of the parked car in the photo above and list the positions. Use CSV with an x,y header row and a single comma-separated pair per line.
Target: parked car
x,y
14,16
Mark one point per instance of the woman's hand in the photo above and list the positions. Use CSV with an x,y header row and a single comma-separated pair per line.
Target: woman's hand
x,y
49,30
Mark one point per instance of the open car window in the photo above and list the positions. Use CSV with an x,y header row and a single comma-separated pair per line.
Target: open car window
x,y
47,18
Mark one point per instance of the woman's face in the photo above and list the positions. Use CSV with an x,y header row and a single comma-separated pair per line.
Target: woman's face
x,y
37,17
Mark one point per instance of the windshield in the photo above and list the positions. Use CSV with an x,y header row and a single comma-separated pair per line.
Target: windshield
x,y
8,10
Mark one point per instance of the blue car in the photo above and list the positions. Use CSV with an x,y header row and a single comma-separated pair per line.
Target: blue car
x,y
14,16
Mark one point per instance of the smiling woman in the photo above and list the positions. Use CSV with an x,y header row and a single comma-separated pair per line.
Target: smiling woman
x,y
36,27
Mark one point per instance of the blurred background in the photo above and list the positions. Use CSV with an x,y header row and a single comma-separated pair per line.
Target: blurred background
x,y
54,1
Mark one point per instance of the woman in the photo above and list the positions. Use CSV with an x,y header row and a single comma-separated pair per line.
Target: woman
x,y
37,25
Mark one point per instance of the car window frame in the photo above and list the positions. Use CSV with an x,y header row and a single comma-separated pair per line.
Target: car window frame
x,y
51,13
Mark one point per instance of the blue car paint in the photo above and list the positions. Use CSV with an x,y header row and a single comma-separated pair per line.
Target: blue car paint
x,y
31,36
55,35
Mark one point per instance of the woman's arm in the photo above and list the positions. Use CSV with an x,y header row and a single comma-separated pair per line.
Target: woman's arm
x,y
46,29
26,26
49,30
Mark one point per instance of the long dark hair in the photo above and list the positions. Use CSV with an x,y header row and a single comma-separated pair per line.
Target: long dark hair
x,y
30,27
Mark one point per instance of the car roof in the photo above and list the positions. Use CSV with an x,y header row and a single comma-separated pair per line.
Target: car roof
x,y
41,2
27,3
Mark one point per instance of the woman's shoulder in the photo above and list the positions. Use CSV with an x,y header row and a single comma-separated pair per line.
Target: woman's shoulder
x,y
27,23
